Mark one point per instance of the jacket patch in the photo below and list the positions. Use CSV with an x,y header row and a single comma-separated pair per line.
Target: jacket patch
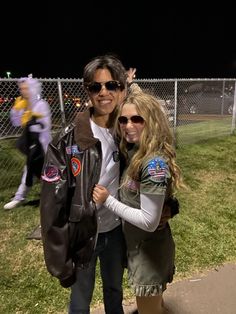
x,y
75,166
73,150
133,185
157,168
51,173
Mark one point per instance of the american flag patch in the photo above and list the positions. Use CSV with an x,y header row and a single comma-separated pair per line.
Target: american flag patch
x,y
73,150
157,169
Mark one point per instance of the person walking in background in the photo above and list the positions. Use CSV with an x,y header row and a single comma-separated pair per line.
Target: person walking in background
x,y
74,232
32,113
151,177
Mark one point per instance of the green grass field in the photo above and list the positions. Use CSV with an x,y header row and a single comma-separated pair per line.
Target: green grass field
x,y
204,231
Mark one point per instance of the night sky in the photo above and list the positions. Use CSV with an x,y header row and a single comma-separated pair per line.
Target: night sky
x,y
161,42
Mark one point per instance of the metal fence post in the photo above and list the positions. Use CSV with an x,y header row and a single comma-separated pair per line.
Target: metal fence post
x,y
175,112
234,111
62,107
223,97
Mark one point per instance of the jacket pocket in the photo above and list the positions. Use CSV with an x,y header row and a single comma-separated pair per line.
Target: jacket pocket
x,y
76,212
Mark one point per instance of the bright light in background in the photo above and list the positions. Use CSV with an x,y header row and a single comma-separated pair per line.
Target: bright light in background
x,y
8,74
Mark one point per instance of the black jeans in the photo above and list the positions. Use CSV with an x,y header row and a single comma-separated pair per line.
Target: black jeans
x,y
111,251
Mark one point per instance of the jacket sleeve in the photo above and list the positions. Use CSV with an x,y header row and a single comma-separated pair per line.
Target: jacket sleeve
x,y
54,211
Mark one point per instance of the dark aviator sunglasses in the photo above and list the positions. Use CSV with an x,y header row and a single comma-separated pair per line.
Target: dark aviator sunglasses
x,y
134,119
95,87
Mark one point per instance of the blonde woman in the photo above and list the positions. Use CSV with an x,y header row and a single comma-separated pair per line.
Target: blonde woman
x,y
151,177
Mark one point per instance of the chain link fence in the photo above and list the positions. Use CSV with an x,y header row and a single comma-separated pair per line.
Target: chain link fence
x,y
197,108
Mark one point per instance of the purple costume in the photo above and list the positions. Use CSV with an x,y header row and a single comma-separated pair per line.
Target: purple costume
x,y
39,107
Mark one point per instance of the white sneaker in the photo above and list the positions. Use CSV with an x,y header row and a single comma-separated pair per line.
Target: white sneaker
x,y
12,204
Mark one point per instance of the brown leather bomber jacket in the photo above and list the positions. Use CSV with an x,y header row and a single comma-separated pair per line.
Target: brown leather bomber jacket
x,y
68,215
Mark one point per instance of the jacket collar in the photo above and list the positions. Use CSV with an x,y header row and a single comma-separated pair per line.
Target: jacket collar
x,y
83,132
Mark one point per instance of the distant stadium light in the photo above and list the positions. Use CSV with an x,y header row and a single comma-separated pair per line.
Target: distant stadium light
x,y
8,74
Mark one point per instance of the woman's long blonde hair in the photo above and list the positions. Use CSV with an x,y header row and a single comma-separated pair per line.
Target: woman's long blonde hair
x,y
156,138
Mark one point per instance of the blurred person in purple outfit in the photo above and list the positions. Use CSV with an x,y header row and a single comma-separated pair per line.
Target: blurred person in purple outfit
x,y
32,113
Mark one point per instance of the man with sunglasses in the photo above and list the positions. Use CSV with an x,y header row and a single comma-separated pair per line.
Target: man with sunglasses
x,y
74,232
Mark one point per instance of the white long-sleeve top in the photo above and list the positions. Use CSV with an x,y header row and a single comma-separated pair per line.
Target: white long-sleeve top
x,y
147,217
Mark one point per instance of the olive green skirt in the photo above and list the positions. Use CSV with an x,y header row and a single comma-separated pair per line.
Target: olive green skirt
x,y
151,258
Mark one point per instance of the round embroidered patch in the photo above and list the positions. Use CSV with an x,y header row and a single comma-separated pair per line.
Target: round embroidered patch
x,y
51,173
75,166
157,169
